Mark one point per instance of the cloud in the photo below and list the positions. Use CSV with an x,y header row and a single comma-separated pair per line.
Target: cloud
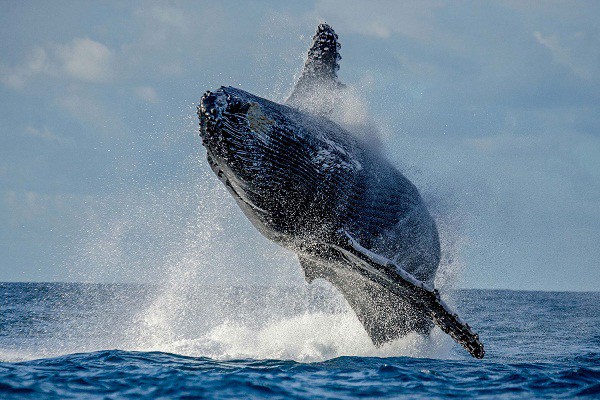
x,y
82,59
584,63
382,18
146,93
86,60
163,22
16,77
82,107
169,16
46,135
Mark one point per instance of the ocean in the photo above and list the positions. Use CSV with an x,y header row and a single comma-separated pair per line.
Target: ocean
x,y
109,341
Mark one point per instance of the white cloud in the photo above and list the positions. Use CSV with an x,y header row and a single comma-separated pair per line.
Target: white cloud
x,y
560,54
86,60
82,59
28,205
583,63
146,93
380,18
36,63
173,68
169,16
163,22
47,135
25,206
81,107
11,78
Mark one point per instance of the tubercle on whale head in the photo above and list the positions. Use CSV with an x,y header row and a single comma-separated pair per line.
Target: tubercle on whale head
x,y
213,106
224,126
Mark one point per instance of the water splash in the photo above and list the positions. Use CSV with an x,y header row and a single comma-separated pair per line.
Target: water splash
x,y
220,289
307,337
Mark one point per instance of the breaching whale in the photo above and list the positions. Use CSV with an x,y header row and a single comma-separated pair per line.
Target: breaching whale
x,y
349,215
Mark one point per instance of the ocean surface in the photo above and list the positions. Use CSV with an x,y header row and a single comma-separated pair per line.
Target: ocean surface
x,y
142,341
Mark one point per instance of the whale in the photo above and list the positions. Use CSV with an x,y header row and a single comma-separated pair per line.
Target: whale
x,y
311,186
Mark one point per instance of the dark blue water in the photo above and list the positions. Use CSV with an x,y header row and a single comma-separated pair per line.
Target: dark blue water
x,y
96,341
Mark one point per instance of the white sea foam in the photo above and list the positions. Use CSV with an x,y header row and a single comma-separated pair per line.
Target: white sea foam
x,y
307,337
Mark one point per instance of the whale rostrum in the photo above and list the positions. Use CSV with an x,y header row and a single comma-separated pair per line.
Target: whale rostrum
x,y
349,215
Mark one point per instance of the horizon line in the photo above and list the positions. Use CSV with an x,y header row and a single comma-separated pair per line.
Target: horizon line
x,y
285,286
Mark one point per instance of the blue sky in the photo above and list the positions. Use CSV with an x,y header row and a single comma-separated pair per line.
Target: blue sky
x,y
491,108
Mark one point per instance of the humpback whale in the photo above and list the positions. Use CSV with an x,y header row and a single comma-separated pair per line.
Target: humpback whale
x,y
351,217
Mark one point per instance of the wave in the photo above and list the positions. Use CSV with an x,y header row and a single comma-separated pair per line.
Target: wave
x,y
154,374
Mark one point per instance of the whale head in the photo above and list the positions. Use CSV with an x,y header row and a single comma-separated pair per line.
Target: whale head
x,y
236,133
234,130
262,153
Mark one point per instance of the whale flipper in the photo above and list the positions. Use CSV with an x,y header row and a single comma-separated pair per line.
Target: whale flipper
x,y
401,284
384,315
318,85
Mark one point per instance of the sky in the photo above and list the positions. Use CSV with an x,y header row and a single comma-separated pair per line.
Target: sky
x,y
491,108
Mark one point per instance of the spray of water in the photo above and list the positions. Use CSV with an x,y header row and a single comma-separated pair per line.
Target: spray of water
x,y
208,300
187,314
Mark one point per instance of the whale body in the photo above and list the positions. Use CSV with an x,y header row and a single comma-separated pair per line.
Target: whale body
x,y
351,217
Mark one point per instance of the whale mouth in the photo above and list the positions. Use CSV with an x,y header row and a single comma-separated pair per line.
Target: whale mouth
x,y
234,186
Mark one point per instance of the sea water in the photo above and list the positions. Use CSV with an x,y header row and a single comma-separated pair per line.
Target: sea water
x,y
60,340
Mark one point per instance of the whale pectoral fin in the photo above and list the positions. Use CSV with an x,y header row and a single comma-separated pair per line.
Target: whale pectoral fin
x,y
384,315
312,270
316,89
417,294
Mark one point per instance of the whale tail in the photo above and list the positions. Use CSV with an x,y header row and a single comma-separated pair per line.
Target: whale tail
x,y
318,86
